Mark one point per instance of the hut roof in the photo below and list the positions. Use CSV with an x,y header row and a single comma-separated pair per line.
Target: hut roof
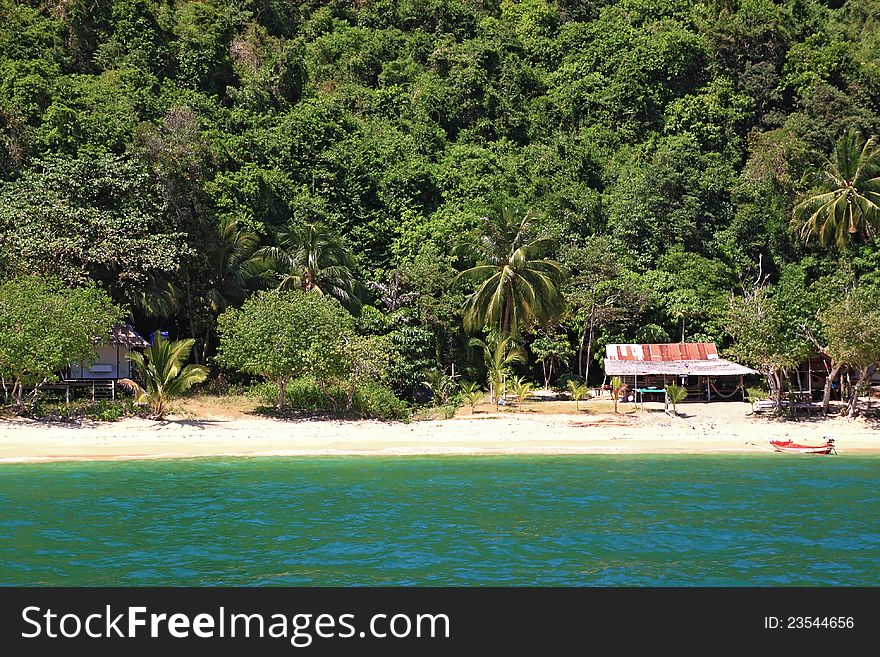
x,y
695,358
124,335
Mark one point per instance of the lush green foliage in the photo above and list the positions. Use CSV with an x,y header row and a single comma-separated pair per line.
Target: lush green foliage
x,y
471,393
160,367
767,334
518,288
312,259
846,201
305,395
676,394
499,355
851,327
523,390
440,384
578,391
284,335
184,156
45,327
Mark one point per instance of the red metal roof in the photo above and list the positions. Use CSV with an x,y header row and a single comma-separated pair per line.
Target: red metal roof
x,y
666,352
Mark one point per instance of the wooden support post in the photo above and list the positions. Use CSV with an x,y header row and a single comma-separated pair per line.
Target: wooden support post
x,y
708,390
810,379
93,390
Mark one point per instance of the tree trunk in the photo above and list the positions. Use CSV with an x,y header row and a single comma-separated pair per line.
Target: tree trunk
x,y
349,402
195,347
282,385
36,394
776,384
546,376
826,395
589,348
17,395
865,374
581,353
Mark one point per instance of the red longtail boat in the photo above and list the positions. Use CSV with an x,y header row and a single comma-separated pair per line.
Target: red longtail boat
x,y
789,446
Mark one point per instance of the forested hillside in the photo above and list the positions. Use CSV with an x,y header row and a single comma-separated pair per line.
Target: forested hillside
x,y
169,150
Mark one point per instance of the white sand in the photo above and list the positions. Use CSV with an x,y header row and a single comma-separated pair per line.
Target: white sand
x,y
709,428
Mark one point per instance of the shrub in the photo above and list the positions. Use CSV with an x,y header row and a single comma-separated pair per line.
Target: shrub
x,y
106,412
304,395
378,401
103,411
562,381
754,394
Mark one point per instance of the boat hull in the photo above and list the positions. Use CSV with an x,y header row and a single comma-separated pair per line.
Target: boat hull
x,y
794,448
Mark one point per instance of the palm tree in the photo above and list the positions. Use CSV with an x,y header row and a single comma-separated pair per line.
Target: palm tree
x,y
578,391
845,201
676,394
498,355
234,264
522,389
472,394
517,285
160,368
617,388
312,258
440,384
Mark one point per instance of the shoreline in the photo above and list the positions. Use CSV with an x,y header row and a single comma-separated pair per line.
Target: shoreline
x,y
712,429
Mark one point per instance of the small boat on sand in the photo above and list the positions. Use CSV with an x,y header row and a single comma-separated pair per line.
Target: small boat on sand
x,y
796,448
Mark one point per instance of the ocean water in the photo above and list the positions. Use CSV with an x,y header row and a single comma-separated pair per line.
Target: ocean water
x,y
765,520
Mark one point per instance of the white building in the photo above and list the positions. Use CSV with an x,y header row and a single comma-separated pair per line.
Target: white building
x,y
112,362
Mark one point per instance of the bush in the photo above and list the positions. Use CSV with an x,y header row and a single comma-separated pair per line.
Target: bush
x,y
106,412
754,394
378,401
562,381
103,411
370,400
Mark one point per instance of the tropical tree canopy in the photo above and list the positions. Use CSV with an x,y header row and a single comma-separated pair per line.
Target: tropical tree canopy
x,y
845,202
282,335
517,286
312,258
235,267
45,326
146,144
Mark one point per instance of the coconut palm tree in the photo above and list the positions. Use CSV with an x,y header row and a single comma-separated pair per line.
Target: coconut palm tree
x,y
312,258
498,355
845,201
160,368
471,393
676,394
618,387
233,263
517,285
578,391
440,384
522,389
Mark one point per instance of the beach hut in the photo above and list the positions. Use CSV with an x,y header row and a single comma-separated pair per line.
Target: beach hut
x,y
112,361
647,368
111,364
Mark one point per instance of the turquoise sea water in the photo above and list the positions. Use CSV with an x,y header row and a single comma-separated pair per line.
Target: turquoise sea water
x,y
562,520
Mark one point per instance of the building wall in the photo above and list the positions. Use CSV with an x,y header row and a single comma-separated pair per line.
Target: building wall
x,y
111,364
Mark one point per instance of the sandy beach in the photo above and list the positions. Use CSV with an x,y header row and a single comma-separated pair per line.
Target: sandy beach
x,y
705,428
